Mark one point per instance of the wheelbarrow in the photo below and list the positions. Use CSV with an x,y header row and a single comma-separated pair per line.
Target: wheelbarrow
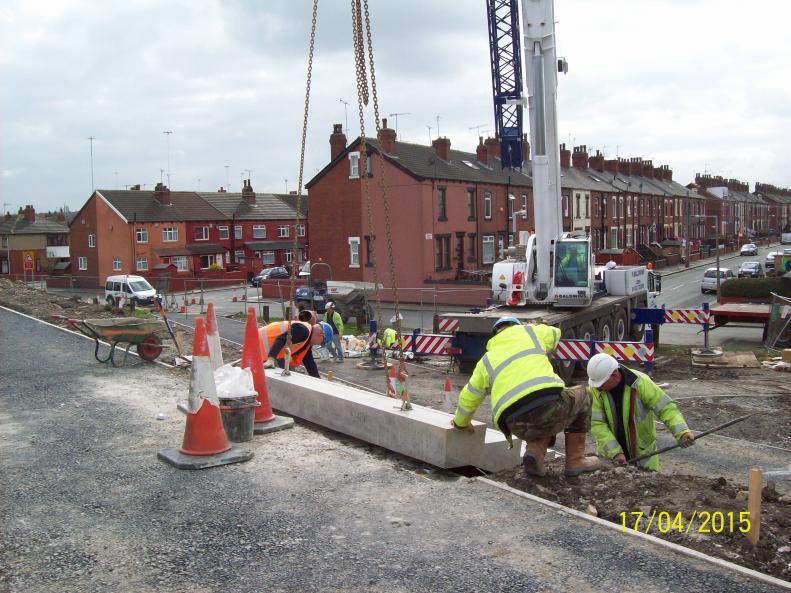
x,y
124,330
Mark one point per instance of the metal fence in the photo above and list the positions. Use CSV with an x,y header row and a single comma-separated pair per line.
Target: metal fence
x,y
778,331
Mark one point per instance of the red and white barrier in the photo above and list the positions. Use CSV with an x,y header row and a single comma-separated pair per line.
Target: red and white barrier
x,y
449,326
580,350
427,344
696,316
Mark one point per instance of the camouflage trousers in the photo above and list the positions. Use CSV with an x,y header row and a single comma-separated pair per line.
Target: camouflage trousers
x,y
570,413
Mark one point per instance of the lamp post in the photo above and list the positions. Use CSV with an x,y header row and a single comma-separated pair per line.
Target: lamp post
x,y
686,232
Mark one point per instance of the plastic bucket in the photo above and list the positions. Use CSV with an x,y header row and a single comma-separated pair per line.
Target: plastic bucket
x,y
238,417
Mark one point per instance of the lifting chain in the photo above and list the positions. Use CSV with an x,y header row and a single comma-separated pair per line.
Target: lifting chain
x,y
295,253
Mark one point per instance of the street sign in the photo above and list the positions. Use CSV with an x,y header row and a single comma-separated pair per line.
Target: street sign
x,y
27,259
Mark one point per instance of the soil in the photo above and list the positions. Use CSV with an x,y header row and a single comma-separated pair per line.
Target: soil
x,y
618,489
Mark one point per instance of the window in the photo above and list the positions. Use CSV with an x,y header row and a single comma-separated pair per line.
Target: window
x,y
369,251
142,263
604,207
259,231
578,211
268,257
82,263
141,235
170,234
629,205
471,257
201,233
565,201
488,249
239,256
471,204
511,200
587,206
442,204
354,164
180,261
571,264
116,264
282,231
354,252
524,206
206,261
442,252
288,256
487,205
237,232
224,234
300,230
91,240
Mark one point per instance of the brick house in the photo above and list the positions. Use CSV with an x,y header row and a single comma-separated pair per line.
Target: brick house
x,y
42,241
778,211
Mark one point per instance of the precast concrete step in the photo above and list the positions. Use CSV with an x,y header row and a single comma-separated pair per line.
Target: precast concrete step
x,y
421,433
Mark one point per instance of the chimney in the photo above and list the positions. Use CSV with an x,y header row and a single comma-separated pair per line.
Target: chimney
x,y
248,195
565,157
135,187
162,194
480,151
30,213
387,138
648,169
337,141
61,216
667,173
611,166
442,148
579,159
492,150
221,190
525,149
597,162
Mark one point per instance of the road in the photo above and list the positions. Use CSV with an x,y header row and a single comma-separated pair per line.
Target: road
x,y
88,507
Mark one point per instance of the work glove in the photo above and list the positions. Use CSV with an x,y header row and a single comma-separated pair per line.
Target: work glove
x,y
620,458
269,363
687,439
465,428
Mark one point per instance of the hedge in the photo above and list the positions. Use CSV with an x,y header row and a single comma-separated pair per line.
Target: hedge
x,y
756,288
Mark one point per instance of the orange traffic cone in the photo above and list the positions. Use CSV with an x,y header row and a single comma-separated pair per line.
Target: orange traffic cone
x,y
192,298
401,378
213,337
447,401
205,443
253,359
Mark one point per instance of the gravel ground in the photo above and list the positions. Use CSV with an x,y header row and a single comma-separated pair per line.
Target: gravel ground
x,y
87,507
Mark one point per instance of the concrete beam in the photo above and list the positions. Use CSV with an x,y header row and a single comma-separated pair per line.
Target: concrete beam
x,y
422,433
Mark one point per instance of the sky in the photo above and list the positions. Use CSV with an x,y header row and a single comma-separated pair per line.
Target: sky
x,y
699,85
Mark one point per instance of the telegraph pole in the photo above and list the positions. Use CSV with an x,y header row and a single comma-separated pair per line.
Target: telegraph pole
x,y
91,138
167,134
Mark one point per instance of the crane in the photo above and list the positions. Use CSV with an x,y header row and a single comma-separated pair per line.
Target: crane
x,y
549,268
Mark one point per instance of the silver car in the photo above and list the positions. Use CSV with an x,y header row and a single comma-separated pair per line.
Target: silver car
x,y
709,282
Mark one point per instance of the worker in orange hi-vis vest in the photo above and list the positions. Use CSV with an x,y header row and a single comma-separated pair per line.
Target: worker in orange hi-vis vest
x,y
303,337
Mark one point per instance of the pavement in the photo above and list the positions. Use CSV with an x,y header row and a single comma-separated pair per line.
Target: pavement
x,y
89,508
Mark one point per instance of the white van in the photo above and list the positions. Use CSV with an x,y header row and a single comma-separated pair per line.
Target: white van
x,y
129,287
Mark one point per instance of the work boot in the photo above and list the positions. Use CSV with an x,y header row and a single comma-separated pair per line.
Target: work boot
x,y
534,457
576,462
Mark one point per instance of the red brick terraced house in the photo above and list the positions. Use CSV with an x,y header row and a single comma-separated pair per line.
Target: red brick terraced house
x,y
778,202
43,242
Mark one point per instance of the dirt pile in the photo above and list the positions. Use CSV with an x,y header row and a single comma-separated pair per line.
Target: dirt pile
x,y
620,493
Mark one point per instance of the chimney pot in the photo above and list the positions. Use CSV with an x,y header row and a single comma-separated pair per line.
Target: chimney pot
x,y
442,148
387,138
337,141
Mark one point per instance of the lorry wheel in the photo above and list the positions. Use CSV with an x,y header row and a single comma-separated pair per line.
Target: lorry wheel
x,y
585,331
604,331
636,332
620,326
565,368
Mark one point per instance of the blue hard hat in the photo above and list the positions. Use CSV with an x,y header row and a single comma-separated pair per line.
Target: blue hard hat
x,y
505,321
328,333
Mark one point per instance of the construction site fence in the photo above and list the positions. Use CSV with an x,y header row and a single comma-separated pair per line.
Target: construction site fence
x,y
778,329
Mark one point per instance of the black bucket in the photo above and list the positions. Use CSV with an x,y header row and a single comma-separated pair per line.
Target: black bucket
x,y
238,417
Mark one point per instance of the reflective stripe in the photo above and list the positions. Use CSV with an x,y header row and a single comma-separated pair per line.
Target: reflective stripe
x,y
536,349
642,412
475,390
613,444
597,416
488,366
679,428
516,392
462,412
662,403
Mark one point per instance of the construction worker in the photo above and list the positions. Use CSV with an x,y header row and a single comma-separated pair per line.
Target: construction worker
x,y
528,399
624,402
303,337
308,316
574,264
335,321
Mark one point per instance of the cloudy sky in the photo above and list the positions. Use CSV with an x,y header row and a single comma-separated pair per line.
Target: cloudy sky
x,y
700,85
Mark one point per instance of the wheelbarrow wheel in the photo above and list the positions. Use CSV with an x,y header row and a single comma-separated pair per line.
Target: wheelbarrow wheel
x,y
150,348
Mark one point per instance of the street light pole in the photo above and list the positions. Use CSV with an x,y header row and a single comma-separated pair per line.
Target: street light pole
x,y
717,239
686,233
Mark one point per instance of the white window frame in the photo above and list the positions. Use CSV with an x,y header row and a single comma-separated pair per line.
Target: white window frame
x,y
487,205
268,257
282,231
288,256
238,232
354,165
180,261
172,232
354,252
91,240
239,256
204,233
300,230
141,263
116,264
141,235
261,234
82,263
487,239
224,232
524,206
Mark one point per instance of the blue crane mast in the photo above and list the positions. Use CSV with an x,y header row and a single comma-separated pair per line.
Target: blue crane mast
x,y
503,17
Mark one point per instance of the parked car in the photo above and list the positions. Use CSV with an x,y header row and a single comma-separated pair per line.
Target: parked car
x,y
751,269
749,249
270,274
769,263
131,288
709,282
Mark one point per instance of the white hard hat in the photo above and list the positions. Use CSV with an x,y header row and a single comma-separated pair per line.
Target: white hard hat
x,y
393,319
610,265
329,305
600,368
